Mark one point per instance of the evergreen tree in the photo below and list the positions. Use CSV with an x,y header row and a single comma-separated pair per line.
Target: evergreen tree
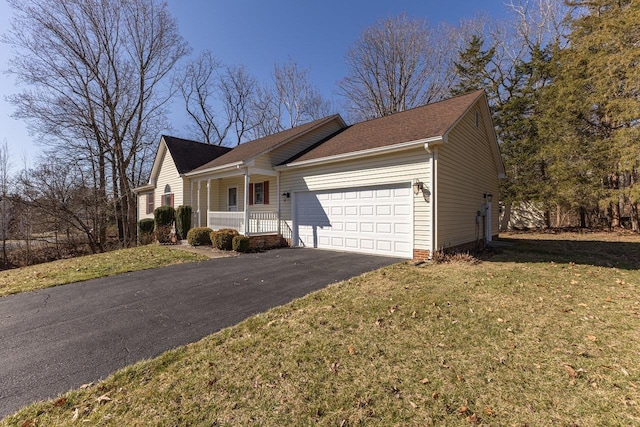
x,y
517,122
596,108
473,68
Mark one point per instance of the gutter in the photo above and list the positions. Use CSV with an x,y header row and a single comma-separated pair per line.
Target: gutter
x,y
143,188
432,148
360,154
216,169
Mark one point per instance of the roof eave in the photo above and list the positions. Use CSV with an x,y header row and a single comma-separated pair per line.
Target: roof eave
x,y
298,135
220,168
143,188
361,153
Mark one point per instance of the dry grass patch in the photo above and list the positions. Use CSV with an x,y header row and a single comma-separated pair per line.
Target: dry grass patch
x,y
88,267
500,342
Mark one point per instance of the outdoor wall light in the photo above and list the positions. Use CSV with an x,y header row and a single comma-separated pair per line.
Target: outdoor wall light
x,y
286,195
417,186
488,197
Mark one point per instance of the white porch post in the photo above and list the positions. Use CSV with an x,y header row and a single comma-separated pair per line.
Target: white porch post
x,y
191,194
199,215
246,202
278,204
208,199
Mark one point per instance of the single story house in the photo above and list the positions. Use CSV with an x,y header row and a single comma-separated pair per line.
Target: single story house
x,y
403,185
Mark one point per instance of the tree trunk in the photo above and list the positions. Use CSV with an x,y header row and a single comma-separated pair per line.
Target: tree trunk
x,y
634,217
506,217
583,217
615,214
547,218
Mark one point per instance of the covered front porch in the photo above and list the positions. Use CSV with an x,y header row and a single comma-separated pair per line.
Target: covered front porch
x,y
247,200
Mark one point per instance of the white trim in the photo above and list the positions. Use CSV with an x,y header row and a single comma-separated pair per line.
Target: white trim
x,y
255,199
247,179
278,201
363,153
267,172
217,168
229,206
144,188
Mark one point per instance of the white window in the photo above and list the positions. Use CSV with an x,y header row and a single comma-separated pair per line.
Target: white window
x,y
258,193
232,199
167,198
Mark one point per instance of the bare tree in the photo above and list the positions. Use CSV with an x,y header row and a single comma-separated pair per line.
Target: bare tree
x,y
198,89
56,189
396,64
291,101
5,199
238,90
219,100
94,73
300,100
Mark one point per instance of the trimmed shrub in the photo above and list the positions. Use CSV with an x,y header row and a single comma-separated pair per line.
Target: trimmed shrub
x,y
240,243
164,233
145,231
199,236
183,220
146,225
223,238
164,217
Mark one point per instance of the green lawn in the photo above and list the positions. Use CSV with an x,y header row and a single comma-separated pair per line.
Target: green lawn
x,y
90,267
547,332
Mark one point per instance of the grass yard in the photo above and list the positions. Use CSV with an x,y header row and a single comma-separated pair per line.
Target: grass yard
x,y
547,332
90,267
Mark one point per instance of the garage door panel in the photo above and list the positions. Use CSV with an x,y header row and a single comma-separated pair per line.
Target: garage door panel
x,y
371,220
366,210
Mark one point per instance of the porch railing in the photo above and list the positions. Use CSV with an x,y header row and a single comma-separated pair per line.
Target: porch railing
x,y
260,222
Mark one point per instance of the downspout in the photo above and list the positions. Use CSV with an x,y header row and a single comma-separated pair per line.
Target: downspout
x,y
432,149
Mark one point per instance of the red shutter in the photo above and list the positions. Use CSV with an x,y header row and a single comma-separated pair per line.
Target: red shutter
x,y
171,200
266,192
250,194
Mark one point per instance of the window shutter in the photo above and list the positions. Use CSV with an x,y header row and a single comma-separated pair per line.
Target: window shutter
x,y
171,200
149,203
266,192
250,194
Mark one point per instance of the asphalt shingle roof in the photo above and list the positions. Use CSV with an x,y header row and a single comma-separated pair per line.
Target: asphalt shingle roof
x,y
188,155
253,148
430,120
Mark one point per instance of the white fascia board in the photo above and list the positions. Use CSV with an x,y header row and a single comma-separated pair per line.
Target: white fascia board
x,y
222,168
362,153
144,188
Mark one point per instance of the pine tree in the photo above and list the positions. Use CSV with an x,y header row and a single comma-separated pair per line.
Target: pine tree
x,y
596,108
473,68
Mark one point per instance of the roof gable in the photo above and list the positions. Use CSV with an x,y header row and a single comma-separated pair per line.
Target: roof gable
x,y
249,150
428,121
188,155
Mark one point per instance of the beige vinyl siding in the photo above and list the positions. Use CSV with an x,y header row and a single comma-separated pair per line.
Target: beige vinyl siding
x,y
142,205
168,174
394,168
466,171
295,146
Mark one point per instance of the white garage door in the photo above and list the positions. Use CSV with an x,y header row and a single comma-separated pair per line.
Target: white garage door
x,y
376,220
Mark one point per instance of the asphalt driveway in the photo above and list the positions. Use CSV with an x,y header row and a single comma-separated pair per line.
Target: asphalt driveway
x,y
57,339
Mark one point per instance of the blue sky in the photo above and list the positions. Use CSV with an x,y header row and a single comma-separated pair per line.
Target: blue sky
x,y
258,33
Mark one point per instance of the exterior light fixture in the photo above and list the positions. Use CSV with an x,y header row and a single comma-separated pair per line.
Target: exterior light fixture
x,y
417,186
286,195
488,197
